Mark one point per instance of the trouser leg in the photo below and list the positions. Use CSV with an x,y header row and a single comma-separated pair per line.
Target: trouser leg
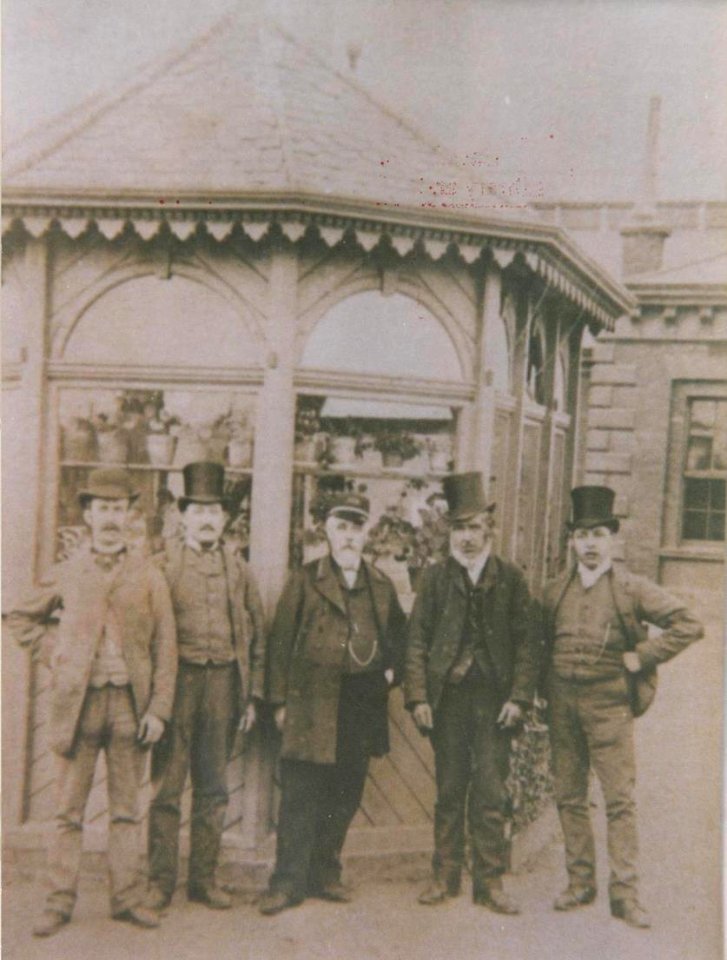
x,y
342,789
452,768
211,748
487,803
73,786
609,726
571,761
302,785
169,766
125,763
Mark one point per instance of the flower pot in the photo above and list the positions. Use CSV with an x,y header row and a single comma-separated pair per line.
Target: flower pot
x,y
239,453
160,447
113,446
190,449
305,450
372,459
439,461
78,440
392,459
343,449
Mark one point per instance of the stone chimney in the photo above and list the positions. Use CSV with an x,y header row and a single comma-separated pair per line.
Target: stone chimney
x,y
644,233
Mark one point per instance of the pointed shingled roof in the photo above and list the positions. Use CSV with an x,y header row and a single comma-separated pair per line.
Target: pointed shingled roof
x,y
245,109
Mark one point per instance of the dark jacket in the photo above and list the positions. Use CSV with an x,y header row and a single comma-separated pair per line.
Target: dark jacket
x,y
638,601
79,596
307,655
246,614
438,620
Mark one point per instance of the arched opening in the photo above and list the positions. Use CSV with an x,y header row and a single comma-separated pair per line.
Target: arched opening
x,y
174,322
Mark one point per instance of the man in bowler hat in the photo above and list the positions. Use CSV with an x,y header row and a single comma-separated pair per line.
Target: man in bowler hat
x,y
221,643
113,662
471,667
336,647
592,622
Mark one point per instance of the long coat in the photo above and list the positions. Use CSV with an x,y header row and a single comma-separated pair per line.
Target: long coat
x,y
79,595
437,624
639,601
246,614
307,655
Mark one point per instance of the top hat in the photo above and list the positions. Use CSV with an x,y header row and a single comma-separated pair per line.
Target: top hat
x,y
349,506
204,482
465,495
107,483
593,507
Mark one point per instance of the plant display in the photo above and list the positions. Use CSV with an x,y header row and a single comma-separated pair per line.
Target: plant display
x,y
398,444
529,783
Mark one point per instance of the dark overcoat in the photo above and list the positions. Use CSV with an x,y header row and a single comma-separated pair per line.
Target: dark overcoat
x,y
246,613
80,596
437,624
308,644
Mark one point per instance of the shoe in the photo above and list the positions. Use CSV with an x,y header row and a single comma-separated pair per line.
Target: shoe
x,y
157,900
435,892
498,901
336,892
631,912
573,897
213,897
140,917
49,922
275,901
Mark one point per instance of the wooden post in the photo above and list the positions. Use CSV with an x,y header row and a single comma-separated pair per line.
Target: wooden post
x,y
484,405
24,483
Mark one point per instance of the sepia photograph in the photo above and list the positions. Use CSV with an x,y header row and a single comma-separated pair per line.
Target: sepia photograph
x,y
364,479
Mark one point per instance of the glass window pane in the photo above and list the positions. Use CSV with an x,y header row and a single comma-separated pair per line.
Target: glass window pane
x,y
699,453
715,529
702,414
719,443
694,526
696,493
717,494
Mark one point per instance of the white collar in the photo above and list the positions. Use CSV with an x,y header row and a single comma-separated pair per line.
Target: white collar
x,y
590,577
474,567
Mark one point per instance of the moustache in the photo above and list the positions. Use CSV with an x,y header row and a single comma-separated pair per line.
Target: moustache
x,y
110,528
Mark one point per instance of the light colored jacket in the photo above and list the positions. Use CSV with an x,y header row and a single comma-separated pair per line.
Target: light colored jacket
x,y
78,598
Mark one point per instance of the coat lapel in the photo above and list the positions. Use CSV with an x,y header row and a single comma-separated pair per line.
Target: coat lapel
x,y
327,584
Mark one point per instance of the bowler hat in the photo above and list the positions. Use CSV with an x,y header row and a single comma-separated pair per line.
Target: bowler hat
x,y
593,507
349,506
204,482
107,483
465,495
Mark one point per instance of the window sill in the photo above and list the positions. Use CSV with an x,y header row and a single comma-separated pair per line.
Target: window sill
x,y
709,554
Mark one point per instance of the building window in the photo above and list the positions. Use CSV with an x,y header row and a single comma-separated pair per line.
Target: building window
x,y
705,475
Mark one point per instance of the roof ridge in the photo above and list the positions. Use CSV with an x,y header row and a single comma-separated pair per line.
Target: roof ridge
x,y
103,103
360,88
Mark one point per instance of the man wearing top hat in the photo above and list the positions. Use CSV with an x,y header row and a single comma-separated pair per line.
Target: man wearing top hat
x,y
221,642
471,667
592,622
336,647
113,662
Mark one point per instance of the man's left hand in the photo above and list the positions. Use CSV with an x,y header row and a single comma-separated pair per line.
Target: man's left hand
x,y
632,661
249,718
151,729
510,715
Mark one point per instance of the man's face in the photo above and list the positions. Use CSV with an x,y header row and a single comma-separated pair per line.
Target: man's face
x,y
470,535
107,521
593,545
346,539
204,523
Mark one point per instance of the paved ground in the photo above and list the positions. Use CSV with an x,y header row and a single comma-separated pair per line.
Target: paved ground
x,y
679,749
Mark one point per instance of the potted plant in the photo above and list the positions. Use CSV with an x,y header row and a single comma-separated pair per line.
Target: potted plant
x,y
239,446
439,449
307,426
344,441
160,442
78,440
112,440
396,447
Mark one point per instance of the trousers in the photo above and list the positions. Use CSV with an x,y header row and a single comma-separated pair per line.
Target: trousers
x,y
471,756
108,723
591,726
319,801
199,741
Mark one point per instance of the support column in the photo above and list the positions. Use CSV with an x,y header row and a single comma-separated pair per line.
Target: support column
x,y
23,476
483,432
271,501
